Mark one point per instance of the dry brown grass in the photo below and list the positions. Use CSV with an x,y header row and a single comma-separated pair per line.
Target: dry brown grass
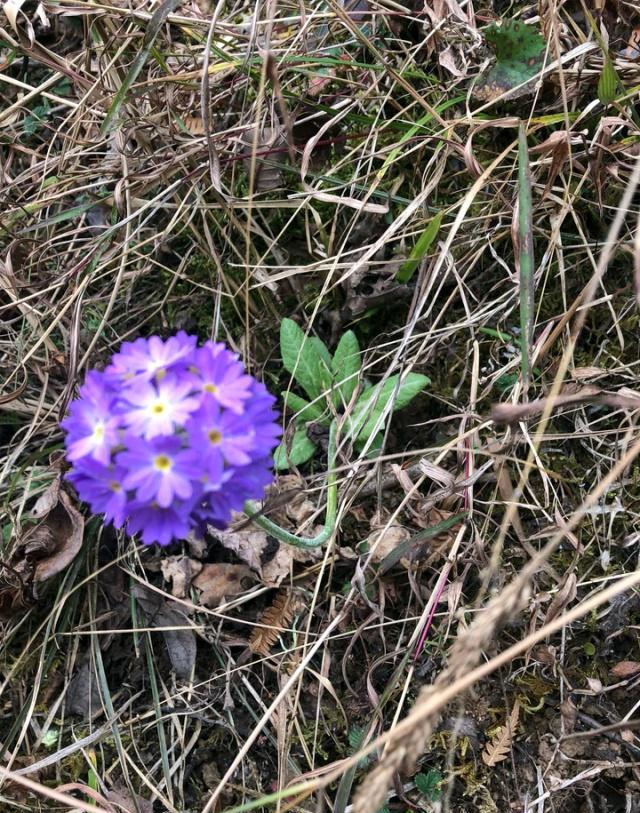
x,y
215,169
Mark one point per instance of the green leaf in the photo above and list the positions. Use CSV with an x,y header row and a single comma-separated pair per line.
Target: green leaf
x,y
422,246
324,365
374,400
519,50
307,359
405,548
356,737
608,83
345,366
303,409
301,450
428,784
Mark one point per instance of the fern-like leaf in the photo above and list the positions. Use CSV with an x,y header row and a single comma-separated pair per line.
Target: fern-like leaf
x,y
499,745
271,623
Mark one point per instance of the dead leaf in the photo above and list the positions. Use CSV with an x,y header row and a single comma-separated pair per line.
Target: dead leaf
x,y
83,694
595,685
569,712
565,595
181,642
120,796
271,560
180,571
219,581
47,500
272,622
382,541
624,669
50,546
269,146
497,749
12,9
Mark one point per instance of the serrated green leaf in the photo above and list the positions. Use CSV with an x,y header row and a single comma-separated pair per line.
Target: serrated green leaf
x,y
345,366
301,450
422,246
356,737
428,784
374,400
303,409
519,50
307,359
608,82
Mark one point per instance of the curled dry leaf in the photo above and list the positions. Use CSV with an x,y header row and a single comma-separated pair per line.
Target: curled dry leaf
x,y
50,546
83,695
569,712
270,146
268,558
219,581
565,595
180,571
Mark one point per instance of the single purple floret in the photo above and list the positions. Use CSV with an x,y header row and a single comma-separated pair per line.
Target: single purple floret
x,y
145,358
102,487
158,408
92,425
161,525
159,470
220,374
219,433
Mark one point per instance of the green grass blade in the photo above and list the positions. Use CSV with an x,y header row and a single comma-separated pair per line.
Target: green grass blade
x,y
153,29
422,246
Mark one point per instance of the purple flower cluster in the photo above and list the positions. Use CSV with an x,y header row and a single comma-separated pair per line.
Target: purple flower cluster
x,y
171,437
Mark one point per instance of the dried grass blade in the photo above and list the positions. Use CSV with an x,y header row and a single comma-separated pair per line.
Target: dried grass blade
x,y
525,234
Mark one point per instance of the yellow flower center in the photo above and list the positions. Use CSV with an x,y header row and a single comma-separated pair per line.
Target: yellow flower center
x,y
157,409
160,374
98,432
162,463
115,486
210,388
214,436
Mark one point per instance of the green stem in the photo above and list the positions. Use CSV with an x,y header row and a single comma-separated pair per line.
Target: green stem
x,y
251,509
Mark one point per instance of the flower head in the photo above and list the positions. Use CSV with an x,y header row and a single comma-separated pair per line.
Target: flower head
x,y
171,437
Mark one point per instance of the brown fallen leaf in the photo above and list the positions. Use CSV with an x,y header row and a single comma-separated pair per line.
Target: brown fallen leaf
x,y
180,571
83,695
499,746
272,622
121,798
382,541
219,581
268,558
180,642
565,595
624,669
50,546
270,144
